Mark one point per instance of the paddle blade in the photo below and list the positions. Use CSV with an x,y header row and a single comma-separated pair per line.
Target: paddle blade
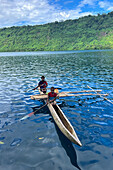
x,y
27,116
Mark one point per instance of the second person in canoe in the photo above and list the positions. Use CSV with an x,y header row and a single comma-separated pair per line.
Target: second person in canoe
x,y
42,84
52,96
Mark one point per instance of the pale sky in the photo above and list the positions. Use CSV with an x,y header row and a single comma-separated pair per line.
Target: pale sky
x,y
35,12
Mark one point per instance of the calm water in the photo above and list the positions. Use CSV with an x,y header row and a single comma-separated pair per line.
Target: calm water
x,y
36,143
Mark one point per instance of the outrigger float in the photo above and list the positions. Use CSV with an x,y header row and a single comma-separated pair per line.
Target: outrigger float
x,y
58,115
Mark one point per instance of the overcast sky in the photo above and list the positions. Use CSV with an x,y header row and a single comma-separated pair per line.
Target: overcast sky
x,y
35,12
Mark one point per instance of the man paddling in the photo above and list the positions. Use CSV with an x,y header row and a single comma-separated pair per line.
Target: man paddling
x,y
52,96
42,84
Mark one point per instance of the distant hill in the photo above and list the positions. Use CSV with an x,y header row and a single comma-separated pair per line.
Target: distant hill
x,y
89,32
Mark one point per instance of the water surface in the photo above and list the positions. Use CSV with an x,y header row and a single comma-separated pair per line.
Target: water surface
x,y
37,143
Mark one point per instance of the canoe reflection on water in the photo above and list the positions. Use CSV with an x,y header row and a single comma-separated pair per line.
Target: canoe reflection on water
x,y
67,145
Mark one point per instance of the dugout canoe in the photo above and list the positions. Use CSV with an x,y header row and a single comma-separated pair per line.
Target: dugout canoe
x,y
63,123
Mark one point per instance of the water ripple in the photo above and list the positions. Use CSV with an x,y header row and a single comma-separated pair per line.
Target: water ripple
x,y
35,141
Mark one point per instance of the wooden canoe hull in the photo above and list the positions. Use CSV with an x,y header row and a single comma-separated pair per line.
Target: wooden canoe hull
x,y
64,124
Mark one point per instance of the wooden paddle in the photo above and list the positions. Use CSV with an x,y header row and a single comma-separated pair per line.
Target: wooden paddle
x,y
100,95
32,113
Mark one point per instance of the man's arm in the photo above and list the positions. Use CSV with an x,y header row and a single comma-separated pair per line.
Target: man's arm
x,y
46,84
48,99
35,87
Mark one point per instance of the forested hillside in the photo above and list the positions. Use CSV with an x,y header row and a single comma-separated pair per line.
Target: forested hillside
x,y
90,32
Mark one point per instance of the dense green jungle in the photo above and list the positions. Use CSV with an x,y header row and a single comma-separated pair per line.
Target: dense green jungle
x,y
86,33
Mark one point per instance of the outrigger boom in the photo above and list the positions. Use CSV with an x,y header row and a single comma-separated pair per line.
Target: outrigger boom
x,y
67,94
